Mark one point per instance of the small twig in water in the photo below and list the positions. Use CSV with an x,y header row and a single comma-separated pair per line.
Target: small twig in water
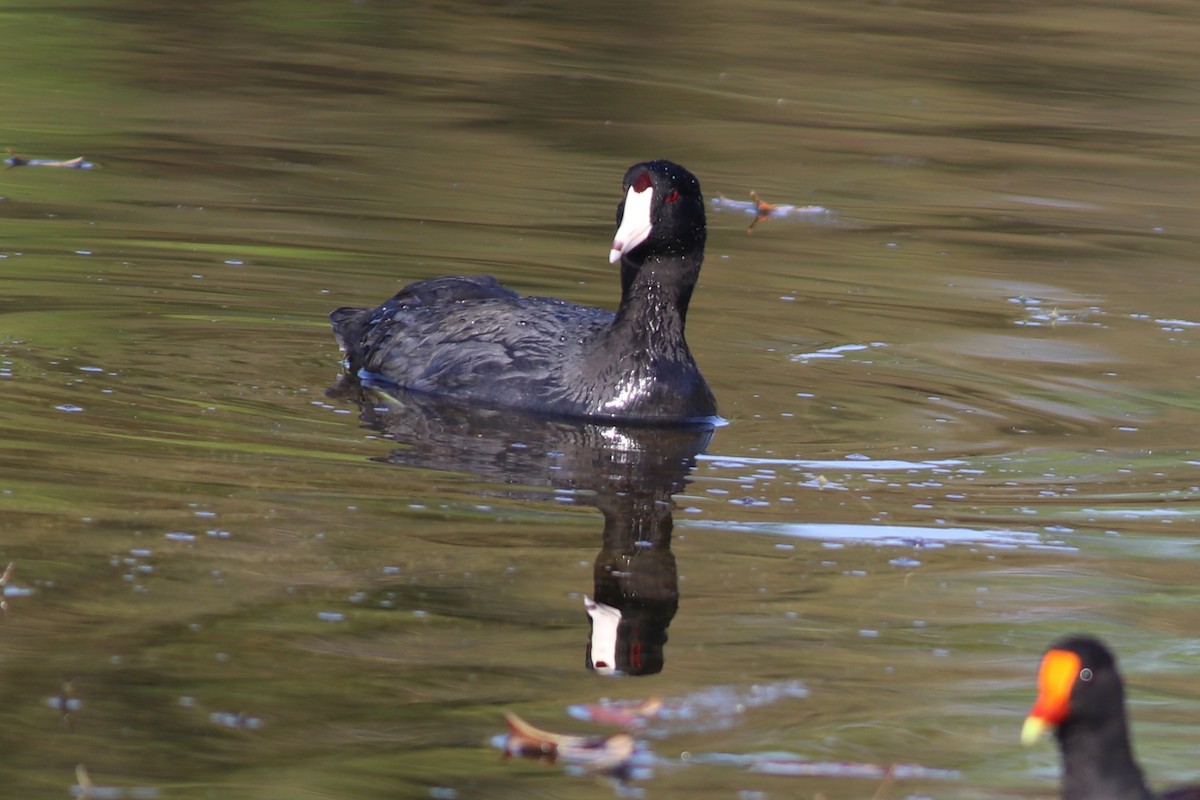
x,y
15,160
85,781
4,582
885,786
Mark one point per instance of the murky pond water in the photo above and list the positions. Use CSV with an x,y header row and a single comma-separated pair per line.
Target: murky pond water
x,y
962,400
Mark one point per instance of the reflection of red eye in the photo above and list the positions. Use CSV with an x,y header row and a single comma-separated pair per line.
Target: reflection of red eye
x,y
672,197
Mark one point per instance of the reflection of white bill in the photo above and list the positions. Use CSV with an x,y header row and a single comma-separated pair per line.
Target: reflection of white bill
x,y
605,621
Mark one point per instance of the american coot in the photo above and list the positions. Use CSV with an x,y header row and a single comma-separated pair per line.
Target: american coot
x,y
471,339
1080,695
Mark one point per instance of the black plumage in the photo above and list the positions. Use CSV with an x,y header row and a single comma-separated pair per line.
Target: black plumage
x,y
471,339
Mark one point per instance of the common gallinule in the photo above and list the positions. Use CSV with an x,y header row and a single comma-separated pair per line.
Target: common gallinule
x,y
1080,696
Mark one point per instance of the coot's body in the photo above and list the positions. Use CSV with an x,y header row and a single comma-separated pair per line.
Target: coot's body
x,y
472,340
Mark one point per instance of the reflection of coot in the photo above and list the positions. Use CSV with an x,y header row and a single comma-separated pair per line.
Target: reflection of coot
x,y
636,585
628,473
472,340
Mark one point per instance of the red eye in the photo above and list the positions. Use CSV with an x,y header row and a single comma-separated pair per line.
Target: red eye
x,y
672,197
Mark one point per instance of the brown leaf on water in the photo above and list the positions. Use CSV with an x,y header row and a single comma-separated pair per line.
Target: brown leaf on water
x,y
599,753
623,715
762,210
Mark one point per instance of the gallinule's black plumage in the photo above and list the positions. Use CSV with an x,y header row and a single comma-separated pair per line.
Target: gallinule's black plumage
x,y
471,339
1081,696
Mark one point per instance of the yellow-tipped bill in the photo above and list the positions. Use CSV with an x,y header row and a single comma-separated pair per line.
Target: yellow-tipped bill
x,y
1032,730
1060,669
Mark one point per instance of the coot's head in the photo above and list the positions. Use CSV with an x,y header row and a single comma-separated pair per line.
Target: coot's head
x,y
1078,684
662,215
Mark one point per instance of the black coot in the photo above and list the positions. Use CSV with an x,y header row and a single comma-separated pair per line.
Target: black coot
x,y
471,339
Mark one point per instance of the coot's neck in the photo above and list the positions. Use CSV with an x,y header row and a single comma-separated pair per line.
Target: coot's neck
x,y
1098,762
654,299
